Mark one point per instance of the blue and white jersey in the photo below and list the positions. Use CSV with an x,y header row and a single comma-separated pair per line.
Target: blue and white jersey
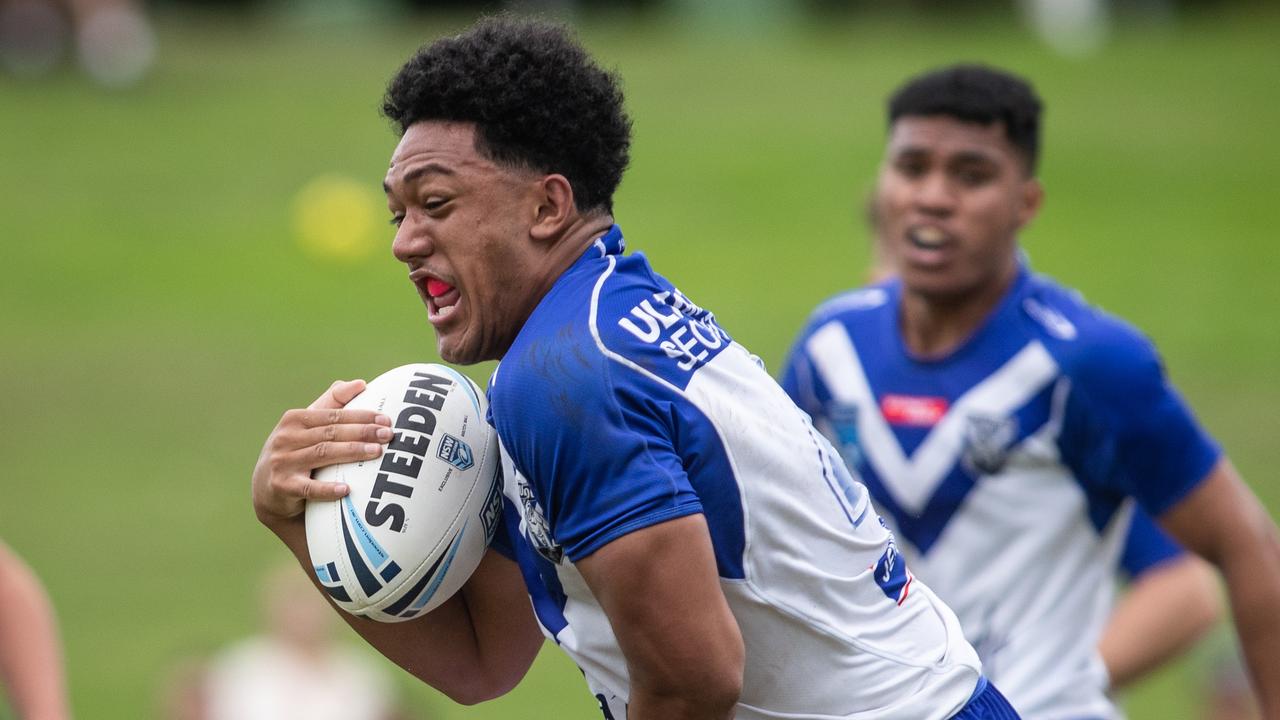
x,y
621,405
1008,469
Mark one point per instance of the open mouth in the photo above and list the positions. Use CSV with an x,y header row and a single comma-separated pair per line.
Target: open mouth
x,y
442,298
927,237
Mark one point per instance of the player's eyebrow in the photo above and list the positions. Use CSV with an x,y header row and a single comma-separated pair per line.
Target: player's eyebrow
x,y
910,152
418,172
971,156
960,157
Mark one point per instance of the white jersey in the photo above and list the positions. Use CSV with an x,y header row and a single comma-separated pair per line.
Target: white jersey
x,y
621,405
1007,468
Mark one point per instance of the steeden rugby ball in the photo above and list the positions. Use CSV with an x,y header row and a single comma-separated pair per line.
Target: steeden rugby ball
x,y
418,519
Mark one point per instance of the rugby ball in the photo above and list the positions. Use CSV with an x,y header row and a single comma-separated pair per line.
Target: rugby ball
x,y
418,519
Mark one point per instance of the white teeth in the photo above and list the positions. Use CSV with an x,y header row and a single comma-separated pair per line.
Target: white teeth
x,y
445,311
928,236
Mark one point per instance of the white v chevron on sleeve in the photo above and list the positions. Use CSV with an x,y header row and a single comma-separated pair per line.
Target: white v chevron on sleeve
x,y
912,481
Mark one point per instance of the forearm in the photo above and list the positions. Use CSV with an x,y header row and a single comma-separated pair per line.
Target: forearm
x,y
689,704
30,659
1253,582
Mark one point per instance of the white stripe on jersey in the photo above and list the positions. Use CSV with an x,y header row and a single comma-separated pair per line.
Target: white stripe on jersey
x,y
1005,390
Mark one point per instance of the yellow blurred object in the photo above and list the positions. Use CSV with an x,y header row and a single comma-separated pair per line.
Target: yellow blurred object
x,y
336,218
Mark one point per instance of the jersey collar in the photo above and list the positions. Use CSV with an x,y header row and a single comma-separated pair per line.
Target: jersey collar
x,y
610,243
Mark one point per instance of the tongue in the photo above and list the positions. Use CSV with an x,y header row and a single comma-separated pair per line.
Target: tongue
x,y
436,288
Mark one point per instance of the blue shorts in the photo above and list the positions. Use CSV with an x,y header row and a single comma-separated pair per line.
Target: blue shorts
x,y
986,703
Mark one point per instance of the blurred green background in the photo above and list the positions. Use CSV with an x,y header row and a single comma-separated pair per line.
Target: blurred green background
x,y
158,313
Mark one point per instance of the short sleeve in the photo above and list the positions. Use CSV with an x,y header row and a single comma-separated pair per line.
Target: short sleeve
x,y
597,450
1146,546
1135,435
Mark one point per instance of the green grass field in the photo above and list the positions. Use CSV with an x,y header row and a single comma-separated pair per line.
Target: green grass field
x,y
157,316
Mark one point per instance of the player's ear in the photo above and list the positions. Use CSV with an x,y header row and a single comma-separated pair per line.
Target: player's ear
x,y
555,208
1031,200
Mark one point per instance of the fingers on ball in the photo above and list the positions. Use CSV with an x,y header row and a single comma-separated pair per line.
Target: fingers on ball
x,y
345,433
313,418
313,489
331,453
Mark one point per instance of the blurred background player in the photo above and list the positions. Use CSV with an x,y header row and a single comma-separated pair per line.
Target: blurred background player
x,y
183,694
1002,425
1170,599
295,670
30,653
114,42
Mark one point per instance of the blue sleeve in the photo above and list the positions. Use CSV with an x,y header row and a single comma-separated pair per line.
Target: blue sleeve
x,y
792,372
800,380
1146,546
597,448
1129,430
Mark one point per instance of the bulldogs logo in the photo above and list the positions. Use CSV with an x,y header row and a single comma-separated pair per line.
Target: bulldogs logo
x,y
987,443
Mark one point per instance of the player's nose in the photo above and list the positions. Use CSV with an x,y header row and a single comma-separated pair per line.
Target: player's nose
x,y
934,194
410,241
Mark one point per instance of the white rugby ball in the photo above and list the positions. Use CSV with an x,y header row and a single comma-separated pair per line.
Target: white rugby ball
x,y
418,519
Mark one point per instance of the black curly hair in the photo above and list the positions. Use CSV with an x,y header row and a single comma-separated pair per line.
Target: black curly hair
x,y
537,99
978,94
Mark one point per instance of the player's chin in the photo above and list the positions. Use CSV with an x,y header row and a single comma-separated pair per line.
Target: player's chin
x,y
933,284
454,348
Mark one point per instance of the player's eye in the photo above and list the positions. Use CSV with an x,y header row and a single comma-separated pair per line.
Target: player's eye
x,y
974,176
396,220
910,167
434,203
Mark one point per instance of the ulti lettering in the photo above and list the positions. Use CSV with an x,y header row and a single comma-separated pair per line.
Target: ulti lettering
x,y
408,447
690,343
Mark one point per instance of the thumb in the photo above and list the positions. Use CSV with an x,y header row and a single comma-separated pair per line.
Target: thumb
x,y
338,395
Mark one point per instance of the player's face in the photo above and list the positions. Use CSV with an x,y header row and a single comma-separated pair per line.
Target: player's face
x,y
463,230
951,197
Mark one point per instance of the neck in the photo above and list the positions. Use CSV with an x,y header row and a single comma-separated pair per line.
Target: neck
x,y
566,250
559,255
936,325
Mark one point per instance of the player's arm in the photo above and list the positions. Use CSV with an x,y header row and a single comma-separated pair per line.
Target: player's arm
x,y
661,590
475,646
1162,613
30,654
1222,521
1136,423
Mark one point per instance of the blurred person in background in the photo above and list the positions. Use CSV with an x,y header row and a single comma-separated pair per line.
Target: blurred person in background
x,y
1171,598
183,695
31,674
295,670
113,39
1006,429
